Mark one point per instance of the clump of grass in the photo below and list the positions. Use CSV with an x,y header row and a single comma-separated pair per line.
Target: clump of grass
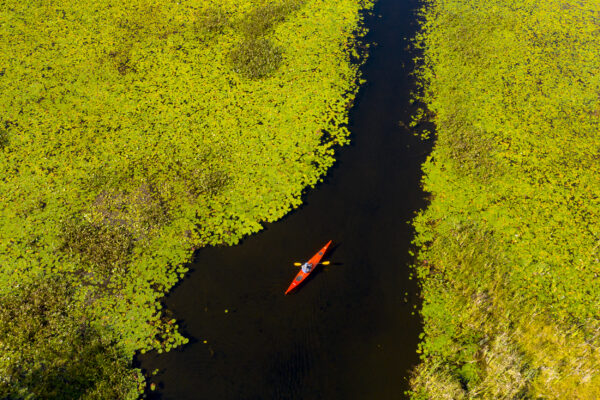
x,y
104,237
213,20
472,151
261,20
435,382
103,246
141,210
256,58
201,182
121,59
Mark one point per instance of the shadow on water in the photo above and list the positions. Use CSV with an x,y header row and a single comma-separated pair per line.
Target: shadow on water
x,y
350,332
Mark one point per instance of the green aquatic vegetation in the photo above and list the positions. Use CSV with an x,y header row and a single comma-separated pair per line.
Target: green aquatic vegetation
x,y
511,235
51,350
211,20
3,138
264,18
133,133
256,58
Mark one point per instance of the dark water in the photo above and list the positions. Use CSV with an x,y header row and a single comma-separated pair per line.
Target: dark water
x,y
349,332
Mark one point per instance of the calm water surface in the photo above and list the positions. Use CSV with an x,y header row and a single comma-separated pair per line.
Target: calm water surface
x,y
349,332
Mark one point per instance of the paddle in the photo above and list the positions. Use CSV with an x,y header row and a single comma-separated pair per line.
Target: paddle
x,y
297,264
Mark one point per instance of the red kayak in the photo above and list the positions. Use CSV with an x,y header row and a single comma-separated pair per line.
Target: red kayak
x,y
312,263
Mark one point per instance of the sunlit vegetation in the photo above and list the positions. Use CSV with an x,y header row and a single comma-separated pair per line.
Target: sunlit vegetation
x,y
50,349
510,243
133,133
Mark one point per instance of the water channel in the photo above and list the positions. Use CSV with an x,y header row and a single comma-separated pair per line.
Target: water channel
x,y
351,331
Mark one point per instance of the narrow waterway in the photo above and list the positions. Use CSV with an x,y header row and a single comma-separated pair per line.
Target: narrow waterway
x,y
350,331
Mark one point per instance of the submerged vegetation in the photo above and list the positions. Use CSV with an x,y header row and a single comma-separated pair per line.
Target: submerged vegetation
x,y
510,244
132,133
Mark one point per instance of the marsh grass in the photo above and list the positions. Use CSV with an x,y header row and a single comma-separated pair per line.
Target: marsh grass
x,y
509,244
256,58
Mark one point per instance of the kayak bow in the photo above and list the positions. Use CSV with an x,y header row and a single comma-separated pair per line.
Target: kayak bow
x,y
301,276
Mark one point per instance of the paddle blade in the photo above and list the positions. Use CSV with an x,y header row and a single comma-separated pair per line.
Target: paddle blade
x,y
297,264
325,263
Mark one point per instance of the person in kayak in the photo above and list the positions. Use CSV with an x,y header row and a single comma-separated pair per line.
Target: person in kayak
x,y
306,267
